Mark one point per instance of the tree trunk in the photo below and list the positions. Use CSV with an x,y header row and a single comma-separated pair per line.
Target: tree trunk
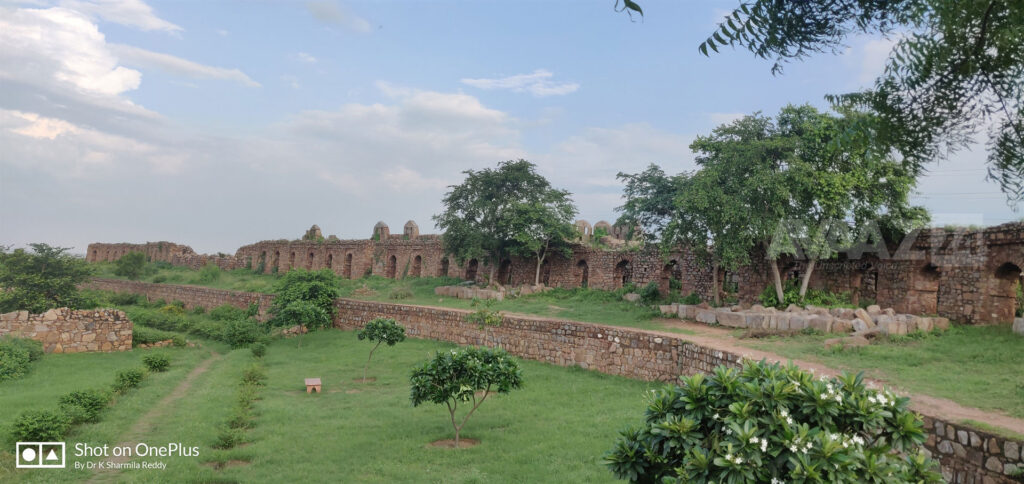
x,y
536,276
368,360
807,278
490,278
777,279
714,284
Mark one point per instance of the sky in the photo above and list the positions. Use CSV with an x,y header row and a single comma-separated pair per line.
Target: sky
x,y
217,124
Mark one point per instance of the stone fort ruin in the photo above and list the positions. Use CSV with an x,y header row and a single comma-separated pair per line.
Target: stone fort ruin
x,y
969,276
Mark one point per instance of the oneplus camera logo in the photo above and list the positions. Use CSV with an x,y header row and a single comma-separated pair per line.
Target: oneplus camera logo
x,y
40,455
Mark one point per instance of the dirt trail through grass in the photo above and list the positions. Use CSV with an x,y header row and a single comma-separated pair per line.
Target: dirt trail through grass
x,y
144,424
722,339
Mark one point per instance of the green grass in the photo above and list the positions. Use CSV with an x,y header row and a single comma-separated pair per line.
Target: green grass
x,y
594,306
555,429
976,366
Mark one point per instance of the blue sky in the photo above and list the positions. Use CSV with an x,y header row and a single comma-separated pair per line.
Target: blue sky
x,y
217,124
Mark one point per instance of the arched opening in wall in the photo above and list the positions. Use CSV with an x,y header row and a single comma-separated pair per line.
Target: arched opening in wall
x,y
347,272
545,273
261,264
582,273
924,293
671,278
309,261
330,261
623,273
471,269
444,268
291,261
865,285
505,273
277,259
417,266
1004,305
94,252
392,269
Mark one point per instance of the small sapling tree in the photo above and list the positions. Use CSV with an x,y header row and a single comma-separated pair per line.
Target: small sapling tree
x,y
453,378
485,318
381,330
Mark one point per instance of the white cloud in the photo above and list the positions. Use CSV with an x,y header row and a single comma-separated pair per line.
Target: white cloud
x,y
63,48
179,66
292,81
333,14
538,83
133,13
307,58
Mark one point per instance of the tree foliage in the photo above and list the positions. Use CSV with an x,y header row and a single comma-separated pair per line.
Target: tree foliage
x,y
769,423
130,265
383,331
305,298
46,278
454,377
957,69
512,209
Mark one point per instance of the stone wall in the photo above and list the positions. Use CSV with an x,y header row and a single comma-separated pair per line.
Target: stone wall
x,y
966,276
628,352
192,296
71,331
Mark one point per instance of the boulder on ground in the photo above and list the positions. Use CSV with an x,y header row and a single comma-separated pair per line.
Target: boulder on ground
x,y
731,319
631,297
793,308
707,316
874,310
842,326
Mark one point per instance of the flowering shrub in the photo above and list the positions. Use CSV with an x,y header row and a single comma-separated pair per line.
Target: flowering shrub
x,y
769,423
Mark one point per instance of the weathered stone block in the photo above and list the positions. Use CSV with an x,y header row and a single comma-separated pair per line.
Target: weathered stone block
x,y
1018,326
797,322
821,323
754,320
707,316
732,320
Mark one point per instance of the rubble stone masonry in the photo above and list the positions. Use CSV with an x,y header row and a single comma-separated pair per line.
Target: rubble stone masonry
x,y
71,331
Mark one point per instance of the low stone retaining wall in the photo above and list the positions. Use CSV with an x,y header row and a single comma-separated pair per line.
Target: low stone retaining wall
x,y
71,331
192,296
794,318
628,352
472,292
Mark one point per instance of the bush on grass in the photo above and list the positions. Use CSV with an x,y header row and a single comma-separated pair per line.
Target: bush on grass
x,y
40,426
84,405
128,379
156,362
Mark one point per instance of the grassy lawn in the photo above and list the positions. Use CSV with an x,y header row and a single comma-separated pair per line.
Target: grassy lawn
x,y
555,429
593,306
977,366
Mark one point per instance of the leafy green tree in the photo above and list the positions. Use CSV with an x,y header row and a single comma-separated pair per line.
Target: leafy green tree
x,y
383,331
43,279
130,265
508,210
305,298
957,69
769,423
453,378
650,200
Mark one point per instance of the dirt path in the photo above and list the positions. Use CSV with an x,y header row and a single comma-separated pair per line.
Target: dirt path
x,y
144,425
722,339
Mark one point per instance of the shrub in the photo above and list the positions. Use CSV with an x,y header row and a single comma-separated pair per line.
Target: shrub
x,y
240,333
142,335
40,426
172,309
454,377
85,405
381,330
45,278
400,293
227,438
14,362
306,298
198,310
691,299
815,297
127,299
32,347
130,265
156,362
159,279
258,350
178,340
128,379
769,423
650,293
209,273
254,375
227,312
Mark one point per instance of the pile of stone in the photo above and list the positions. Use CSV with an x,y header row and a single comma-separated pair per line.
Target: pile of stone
x,y
162,344
294,331
873,320
498,293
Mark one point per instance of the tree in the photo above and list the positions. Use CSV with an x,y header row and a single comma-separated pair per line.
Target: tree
x,y
650,200
381,330
43,279
956,68
453,377
769,423
130,265
305,298
498,212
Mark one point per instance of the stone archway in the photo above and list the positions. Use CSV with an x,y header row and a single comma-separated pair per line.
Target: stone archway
x,y
330,261
275,264
444,268
347,270
471,268
623,274
505,273
309,261
582,273
291,261
392,269
671,271
1002,294
417,266
924,291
